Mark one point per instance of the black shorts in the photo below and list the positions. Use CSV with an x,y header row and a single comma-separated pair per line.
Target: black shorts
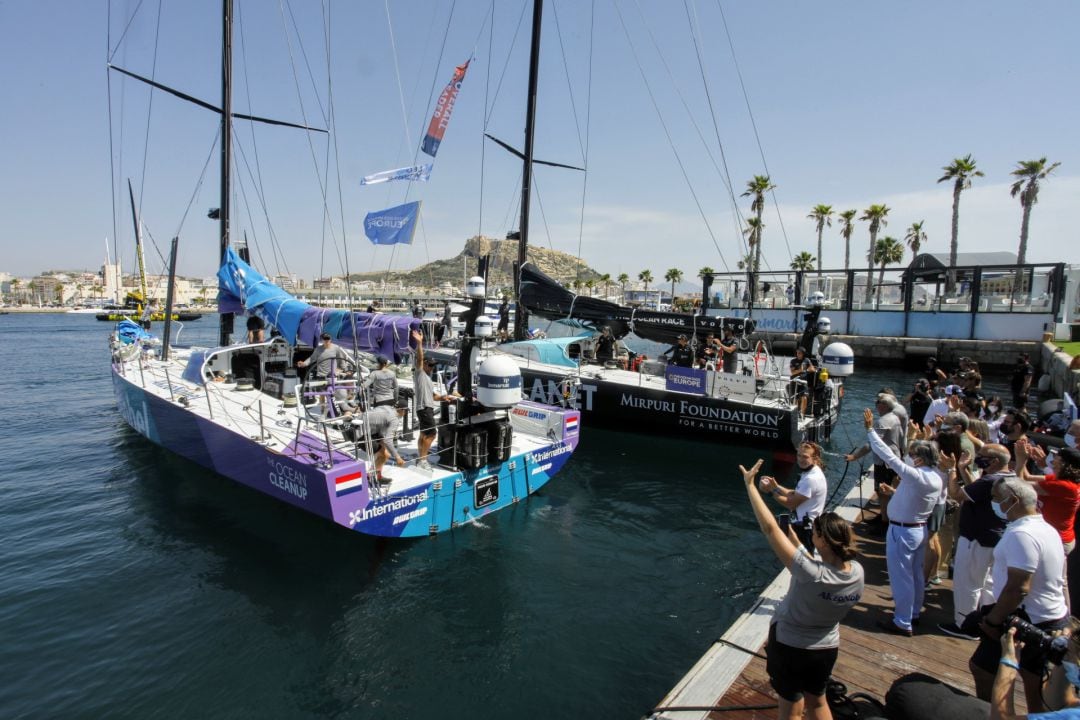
x,y
794,671
425,418
1032,658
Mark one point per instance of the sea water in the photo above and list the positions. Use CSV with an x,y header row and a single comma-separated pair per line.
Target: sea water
x,y
135,584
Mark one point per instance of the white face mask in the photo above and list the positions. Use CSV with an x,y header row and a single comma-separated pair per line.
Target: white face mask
x,y
999,511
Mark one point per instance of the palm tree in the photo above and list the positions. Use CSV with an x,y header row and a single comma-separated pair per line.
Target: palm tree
x,y
915,238
887,251
875,215
1028,173
705,271
606,279
746,262
960,171
822,216
589,285
753,229
623,279
16,283
756,188
847,226
673,275
646,277
803,261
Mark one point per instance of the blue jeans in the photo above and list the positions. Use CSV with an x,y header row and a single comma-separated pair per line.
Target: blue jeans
x,y
905,550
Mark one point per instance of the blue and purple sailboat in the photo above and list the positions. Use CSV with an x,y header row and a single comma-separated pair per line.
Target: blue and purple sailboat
x,y
243,411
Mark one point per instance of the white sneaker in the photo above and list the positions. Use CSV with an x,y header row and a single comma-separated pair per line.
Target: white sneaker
x,y
423,465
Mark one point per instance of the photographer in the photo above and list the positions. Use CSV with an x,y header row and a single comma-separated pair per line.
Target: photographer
x,y
804,637
1029,563
1060,690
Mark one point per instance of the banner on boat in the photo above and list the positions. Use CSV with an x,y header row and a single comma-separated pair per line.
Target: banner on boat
x,y
420,173
687,380
393,225
444,106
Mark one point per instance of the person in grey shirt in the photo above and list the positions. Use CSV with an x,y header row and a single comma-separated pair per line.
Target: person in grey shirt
x,y
325,357
425,401
383,383
382,424
804,638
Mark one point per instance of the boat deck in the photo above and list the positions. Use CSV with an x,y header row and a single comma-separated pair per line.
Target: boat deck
x,y
870,659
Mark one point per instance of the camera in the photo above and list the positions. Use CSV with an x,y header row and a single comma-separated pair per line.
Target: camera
x,y
1050,647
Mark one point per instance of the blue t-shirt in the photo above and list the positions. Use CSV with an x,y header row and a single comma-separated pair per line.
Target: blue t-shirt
x,y
1072,713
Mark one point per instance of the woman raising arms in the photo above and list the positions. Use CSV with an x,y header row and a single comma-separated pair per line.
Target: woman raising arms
x,y
804,637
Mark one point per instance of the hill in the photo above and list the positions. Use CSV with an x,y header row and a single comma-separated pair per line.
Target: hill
x,y
562,266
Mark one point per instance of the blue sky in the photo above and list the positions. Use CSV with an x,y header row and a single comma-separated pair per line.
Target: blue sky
x,y
854,102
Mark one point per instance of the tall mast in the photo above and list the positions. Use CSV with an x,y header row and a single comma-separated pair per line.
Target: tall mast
x,y
226,319
526,174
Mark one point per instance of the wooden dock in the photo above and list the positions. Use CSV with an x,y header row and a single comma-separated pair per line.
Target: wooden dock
x,y
870,659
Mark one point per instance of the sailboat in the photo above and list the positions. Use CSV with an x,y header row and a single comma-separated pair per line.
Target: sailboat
x,y
243,411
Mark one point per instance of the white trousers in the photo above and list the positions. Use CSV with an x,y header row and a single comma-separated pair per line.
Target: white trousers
x,y
973,585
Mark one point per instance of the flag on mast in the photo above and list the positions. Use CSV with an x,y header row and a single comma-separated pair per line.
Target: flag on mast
x,y
444,106
393,225
417,172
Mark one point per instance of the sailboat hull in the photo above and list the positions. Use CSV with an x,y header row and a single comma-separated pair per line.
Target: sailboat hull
x,y
614,403
333,486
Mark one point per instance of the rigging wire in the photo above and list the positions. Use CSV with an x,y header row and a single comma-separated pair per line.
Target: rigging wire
x,y
483,140
667,134
112,151
726,176
199,182
753,124
110,51
588,126
311,147
260,188
149,109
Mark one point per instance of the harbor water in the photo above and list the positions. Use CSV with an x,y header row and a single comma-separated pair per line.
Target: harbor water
x,y
135,584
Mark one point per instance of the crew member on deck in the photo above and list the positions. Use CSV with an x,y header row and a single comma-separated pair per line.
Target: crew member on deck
x,y
426,398
255,328
729,349
503,329
681,355
605,346
383,383
324,357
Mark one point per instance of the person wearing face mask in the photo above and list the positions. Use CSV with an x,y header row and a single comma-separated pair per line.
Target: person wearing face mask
x,y
1061,687
807,500
1029,567
804,636
978,532
1059,490
910,504
1072,435
1014,429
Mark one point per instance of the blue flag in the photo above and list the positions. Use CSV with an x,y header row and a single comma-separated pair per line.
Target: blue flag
x,y
393,225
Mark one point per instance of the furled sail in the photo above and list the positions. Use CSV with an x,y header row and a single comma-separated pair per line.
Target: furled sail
x,y
545,297
242,289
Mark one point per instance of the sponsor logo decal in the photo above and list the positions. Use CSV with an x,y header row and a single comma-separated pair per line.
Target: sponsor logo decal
x,y
288,479
391,505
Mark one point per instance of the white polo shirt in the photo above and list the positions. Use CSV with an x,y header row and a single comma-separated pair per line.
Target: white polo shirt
x,y
1031,544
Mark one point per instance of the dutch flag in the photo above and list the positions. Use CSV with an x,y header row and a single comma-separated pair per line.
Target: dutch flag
x,y
349,483
571,423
